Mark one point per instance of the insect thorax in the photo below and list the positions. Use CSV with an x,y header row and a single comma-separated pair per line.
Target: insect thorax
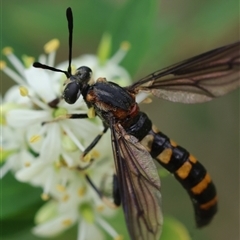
x,y
111,101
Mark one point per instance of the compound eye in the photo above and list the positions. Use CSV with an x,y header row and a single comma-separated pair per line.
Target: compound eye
x,y
71,92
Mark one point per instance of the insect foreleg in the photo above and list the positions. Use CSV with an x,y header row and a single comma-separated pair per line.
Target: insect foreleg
x,y
67,116
78,116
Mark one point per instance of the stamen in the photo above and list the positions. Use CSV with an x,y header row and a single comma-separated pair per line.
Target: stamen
x,y
2,65
73,137
51,58
95,154
35,138
125,45
147,100
121,53
119,237
45,196
65,198
91,113
104,48
42,59
27,164
58,164
51,46
66,161
37,102
100,208
14,61
67,222
107,228
28,61
87,158
60,188
23,91
7,50
12,74
82,191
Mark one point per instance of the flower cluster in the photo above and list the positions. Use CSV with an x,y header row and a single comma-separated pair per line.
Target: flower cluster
x,y
44,151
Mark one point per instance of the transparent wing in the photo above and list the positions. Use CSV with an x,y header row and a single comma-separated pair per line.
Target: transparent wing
x,y
198,79
139,185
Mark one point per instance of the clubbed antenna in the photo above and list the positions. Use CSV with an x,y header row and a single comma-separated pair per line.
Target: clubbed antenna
x,y
70,31
68,73
43,66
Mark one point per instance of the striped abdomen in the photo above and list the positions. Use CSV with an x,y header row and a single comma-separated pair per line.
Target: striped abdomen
x,y
187,170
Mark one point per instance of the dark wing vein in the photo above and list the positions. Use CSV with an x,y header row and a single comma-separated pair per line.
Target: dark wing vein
x,y
139,186
198,79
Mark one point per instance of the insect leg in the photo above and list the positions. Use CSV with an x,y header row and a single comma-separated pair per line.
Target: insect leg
x,y
81,116
100,194
116,191
91,146
95,141
78,116
67,116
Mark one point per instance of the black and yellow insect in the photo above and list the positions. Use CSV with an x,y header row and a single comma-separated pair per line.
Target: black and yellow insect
x,y
136,141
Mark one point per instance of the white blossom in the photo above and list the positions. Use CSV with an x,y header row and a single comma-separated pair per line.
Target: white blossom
x,y
46,152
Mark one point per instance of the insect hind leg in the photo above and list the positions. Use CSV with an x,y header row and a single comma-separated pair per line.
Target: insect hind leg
x,y
105,199
116,191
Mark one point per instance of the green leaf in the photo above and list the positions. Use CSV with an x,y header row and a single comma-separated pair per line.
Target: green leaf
x,y
173,229
134,23
16,197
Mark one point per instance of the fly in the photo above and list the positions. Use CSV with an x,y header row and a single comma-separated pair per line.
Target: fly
x,y
136,141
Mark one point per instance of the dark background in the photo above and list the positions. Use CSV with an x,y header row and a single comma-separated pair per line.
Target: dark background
x,y
167,32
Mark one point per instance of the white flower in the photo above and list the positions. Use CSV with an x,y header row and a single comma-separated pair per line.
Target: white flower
x,y
42,147
53,218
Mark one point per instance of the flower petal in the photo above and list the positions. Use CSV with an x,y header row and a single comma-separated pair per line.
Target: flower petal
x,y
21,118
55,226
51,147
28,173
40,81
88,231
13,96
